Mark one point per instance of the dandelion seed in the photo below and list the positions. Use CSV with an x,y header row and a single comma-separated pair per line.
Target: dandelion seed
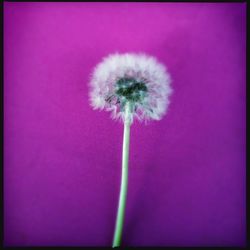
x,y
135,78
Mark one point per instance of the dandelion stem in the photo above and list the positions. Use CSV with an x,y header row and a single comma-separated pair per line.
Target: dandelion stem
x,y
124,180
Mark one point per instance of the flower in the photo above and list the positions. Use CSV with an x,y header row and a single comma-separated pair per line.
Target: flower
x,y
137,79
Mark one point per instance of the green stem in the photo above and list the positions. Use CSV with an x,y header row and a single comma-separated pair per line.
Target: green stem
x,y
124,180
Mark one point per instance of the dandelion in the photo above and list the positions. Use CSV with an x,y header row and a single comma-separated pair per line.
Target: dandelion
x,y
130,86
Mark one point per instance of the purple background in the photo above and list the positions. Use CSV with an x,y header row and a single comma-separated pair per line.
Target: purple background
x,y
62,160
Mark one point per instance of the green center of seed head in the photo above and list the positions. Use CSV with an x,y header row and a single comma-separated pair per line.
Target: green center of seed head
x,y
128,89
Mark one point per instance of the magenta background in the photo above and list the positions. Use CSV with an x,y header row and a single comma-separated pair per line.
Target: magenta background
x,y
62,160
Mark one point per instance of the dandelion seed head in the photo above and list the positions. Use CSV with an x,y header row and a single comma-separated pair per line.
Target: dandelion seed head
x,y
135,78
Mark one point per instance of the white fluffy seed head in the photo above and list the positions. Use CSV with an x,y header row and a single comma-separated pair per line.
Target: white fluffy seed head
x,y
135,78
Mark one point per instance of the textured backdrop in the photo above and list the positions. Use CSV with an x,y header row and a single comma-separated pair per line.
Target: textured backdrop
x,y
62,160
